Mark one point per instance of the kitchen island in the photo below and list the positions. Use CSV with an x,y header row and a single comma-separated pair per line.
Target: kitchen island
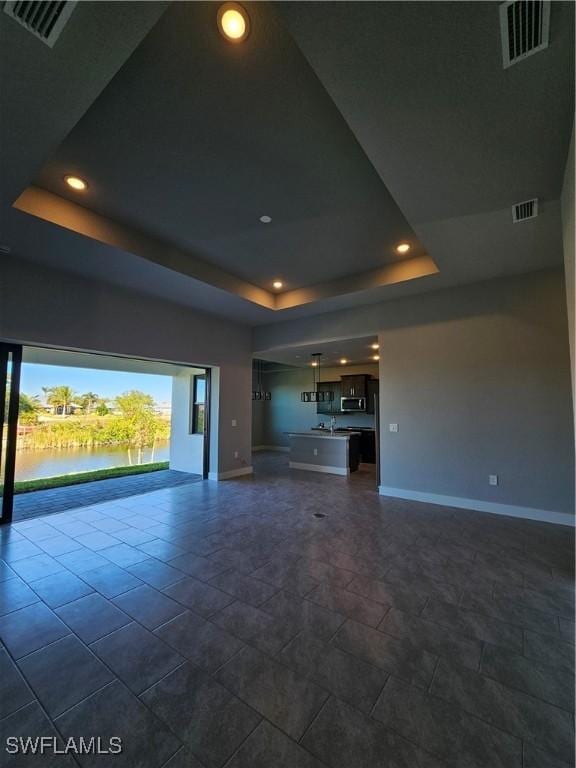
x,y
336,453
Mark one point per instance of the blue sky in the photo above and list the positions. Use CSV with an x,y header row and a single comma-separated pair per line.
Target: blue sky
x,y
107,384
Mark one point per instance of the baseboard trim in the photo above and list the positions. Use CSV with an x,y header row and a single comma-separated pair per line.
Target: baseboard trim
x,y
510,510
320,468
229,474
284,448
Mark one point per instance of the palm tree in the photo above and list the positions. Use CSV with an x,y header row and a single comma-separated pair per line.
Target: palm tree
x,y
60,397
88,401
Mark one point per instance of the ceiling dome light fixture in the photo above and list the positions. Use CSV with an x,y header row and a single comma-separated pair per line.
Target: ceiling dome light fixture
x,y
233,22
277,284
76,183
403,248
265,219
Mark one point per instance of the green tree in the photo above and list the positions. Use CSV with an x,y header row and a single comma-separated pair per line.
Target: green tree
x,y
28,409
139,420
60,397
88,402
101,408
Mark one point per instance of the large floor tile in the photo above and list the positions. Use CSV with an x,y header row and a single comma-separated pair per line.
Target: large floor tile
x,y
31,723
287,699
349,604
399,657
245,588
15,594
64,673
198,596
115,712
342,737
432,637
267,747
203,643
202,713
110,580
14,692
28,629
445,730
60,588
148,606
523,716
138,657
92,617
344,675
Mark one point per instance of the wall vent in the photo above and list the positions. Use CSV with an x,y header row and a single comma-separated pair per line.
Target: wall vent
x,y
44,19
525,28
524,211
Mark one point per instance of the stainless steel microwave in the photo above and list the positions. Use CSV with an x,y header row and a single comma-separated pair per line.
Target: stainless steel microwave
x,y
352,403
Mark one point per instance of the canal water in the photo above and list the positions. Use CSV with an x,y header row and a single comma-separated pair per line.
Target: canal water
x,y
31,464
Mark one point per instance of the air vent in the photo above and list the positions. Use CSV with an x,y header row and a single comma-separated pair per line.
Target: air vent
x,y
525,26
524,211
44,19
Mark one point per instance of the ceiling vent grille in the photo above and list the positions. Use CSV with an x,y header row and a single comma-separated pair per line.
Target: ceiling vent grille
x,y
524,211
525,27
44,19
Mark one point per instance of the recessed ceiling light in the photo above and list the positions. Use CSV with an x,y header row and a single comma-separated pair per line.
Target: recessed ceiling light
x,y
376,357
375,346
314,364
343,361
265,219
403,248
277,284
233,22
76,183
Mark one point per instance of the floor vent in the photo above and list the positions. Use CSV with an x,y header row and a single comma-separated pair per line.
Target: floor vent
x,y
44,19
524,211
319,514
525,27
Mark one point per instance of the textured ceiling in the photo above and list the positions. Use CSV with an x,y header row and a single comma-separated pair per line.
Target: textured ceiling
x,y
354,125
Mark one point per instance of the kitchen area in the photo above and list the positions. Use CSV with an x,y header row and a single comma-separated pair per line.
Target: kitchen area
x,y
320,407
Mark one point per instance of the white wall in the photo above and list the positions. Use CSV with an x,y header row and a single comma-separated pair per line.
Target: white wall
x,y
42,306
186,449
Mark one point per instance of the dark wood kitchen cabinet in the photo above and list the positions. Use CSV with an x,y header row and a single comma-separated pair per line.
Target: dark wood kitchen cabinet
x,y
372,389
354,386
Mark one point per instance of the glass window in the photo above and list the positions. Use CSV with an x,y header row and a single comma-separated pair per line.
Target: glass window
x,y
198,404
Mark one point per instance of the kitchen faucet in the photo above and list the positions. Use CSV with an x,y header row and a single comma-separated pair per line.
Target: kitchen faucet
x,y
332,424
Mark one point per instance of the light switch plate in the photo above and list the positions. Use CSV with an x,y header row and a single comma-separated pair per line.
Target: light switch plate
x,y
235,454
234,423
493,479
393,427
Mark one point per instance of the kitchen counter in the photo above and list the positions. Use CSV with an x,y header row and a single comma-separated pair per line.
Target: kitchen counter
x,y
334,454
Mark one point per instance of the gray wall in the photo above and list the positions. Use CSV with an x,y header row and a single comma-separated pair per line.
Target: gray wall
x,y
568,226
286,412
478,379
42,306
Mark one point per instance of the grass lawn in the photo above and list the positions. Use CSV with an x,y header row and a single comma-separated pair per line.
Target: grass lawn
x,y
25,486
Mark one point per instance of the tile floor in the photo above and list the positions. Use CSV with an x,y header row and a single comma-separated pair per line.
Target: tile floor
x,y
224,625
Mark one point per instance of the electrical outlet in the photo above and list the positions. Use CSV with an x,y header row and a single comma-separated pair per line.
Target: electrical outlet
x,y
236,454
493,479
393,427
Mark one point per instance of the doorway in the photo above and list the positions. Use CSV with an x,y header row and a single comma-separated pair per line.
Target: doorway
x,y
78,426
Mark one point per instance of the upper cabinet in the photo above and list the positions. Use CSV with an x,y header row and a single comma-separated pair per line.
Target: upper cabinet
x,y
354,386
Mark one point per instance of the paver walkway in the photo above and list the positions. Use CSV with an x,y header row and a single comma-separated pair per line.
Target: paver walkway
x,y
35,503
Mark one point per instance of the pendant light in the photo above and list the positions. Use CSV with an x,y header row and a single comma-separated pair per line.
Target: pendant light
x,y
315,395
259,393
